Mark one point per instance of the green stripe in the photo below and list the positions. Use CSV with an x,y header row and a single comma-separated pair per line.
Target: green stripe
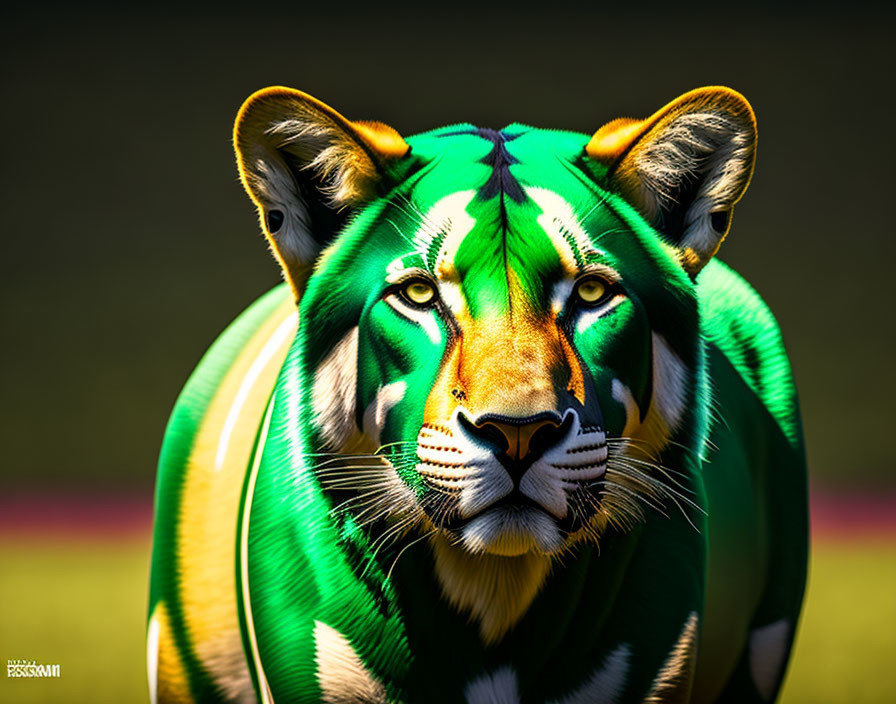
x,y
186,419
240,603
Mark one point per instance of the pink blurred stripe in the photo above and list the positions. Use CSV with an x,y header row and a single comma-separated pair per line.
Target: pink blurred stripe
x,y
854,515
60,515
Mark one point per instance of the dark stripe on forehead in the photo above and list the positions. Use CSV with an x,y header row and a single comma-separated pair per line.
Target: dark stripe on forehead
x,y
501,181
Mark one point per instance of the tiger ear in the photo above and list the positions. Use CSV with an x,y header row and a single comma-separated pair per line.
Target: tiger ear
x,y
302,164
684,167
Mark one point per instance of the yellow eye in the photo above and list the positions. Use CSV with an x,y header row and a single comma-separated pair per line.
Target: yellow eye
x,y
591,290
419,293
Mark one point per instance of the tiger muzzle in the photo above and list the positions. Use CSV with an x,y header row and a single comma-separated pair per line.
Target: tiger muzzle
x,y
518,442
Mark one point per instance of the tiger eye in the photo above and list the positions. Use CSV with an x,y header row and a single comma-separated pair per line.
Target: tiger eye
x,y
591,290
419,292
275,220
719,220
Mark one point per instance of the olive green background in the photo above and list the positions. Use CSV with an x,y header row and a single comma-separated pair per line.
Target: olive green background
x,y
127,243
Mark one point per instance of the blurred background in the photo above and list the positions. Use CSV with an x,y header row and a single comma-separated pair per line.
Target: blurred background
x,y
128,245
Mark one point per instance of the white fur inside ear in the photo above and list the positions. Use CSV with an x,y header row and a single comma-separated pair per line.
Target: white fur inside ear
x,y
321,145
711,147
275,189
285,143
333,394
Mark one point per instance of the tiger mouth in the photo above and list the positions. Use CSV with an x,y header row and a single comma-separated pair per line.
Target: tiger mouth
x,y
514,500
510,529
517,502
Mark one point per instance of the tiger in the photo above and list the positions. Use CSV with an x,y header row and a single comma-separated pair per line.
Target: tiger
x,y
507,433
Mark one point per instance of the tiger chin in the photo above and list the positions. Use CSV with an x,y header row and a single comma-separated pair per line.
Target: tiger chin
x,y
507,411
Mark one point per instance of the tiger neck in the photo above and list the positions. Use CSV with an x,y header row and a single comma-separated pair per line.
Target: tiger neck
x,y
495,591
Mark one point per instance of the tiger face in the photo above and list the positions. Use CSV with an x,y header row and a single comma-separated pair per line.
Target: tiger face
x,y
498,331
503,320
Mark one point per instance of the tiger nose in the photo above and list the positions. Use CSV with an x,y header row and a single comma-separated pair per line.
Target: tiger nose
x,y
519,435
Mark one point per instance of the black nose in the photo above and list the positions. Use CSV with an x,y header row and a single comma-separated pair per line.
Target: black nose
x,y
518,442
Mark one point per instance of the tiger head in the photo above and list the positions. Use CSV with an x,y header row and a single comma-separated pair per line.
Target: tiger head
x,y
498,333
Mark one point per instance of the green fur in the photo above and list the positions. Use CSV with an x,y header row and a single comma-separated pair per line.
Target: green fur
x,y
737,452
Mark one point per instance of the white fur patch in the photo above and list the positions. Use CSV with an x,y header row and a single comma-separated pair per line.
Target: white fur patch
x,y
560,293
452,296
669,378
397,270
426,319
333,394
284,330
623,395
498,687
589,317
342,677
152,658
484,483
375,414
448,217
559,221
768,651
511,531
606,683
